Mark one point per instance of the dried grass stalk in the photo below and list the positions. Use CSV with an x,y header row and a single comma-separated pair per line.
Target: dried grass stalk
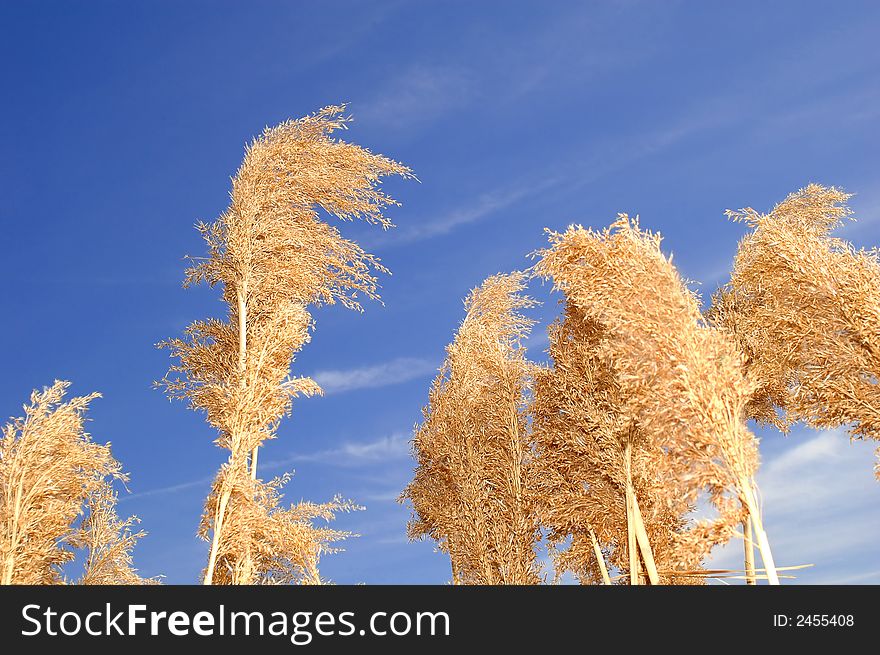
x,y
749,552
273,257
282,545
679,381
805,309
472,489
600,559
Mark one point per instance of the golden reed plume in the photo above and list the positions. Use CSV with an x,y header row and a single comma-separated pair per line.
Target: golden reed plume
x,y
592,460
472,489
679,381
273,257
51,473
805,309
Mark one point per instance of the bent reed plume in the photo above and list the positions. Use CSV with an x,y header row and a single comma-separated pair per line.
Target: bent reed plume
x,y
805,309
680,381
594,467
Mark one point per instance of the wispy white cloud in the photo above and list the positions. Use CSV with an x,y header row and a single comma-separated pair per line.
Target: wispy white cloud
x,y
821,507
867,577
383,496
866,210
570,46
170,489
582,165
418,95
384,450
603,159
396,371
538,340
712,278
354,453
393,540
757,108
477,209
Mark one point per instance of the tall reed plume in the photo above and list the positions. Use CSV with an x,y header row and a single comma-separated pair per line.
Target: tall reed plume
x,y
681,382
273,257
592,460
472,490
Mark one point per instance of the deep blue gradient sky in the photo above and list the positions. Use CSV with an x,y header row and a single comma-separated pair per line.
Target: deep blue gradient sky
x,y
121,124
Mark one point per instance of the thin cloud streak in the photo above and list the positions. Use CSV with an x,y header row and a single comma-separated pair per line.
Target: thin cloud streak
x,y
611,158
378,451
395,446
866,211
171,489
396,371
538,339
604,159
475,210
416,97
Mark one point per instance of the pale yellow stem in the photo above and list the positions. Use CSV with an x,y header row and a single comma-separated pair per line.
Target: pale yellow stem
x,y
254,454
520,563
9,564
749,548
215,541
600,558
240,295
632,549
241,301
644,544
762,542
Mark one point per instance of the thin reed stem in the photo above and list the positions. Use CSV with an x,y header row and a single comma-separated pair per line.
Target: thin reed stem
x,y
632,548
644,544
763,543
749,548
600,558
215,540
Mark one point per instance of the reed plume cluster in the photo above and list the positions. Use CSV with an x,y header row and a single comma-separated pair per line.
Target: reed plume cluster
x,y
56,496
804,307
274,257
680,381
472,491
612,451
594,466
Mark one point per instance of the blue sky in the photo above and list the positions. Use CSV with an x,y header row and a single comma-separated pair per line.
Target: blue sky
x,y
122,122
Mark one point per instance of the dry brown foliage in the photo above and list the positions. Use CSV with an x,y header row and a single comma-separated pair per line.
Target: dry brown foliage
x,y
471,491
51,472
805,308
273,256
679,381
